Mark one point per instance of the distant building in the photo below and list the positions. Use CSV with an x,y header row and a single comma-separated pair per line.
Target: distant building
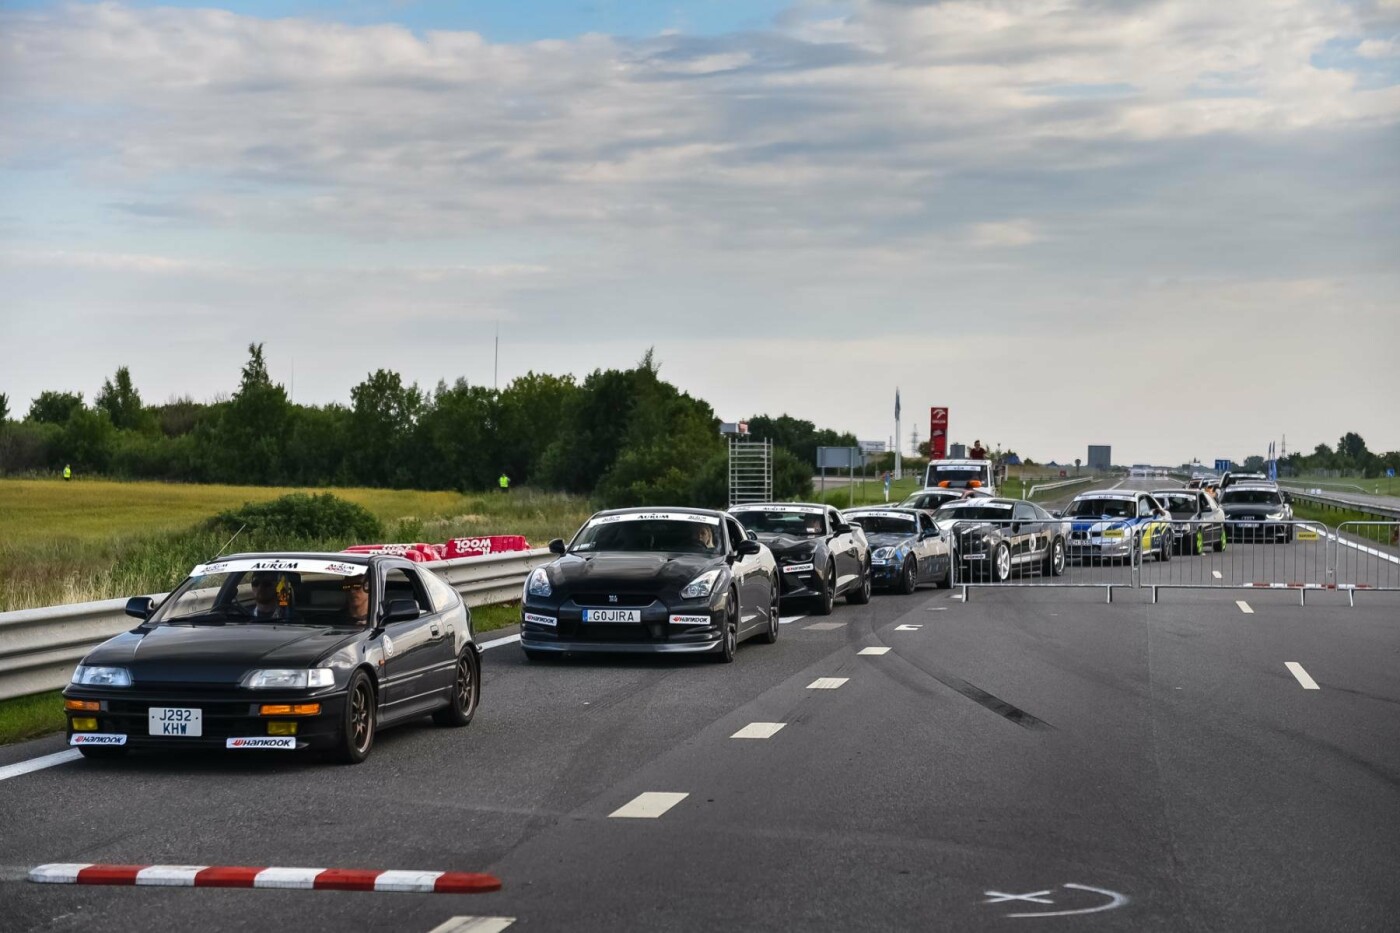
x,y
1100,457
957,452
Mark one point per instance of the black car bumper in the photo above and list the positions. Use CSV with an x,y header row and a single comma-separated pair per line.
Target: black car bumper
x,y
806,583
225,718
658,629
886,574
1258,530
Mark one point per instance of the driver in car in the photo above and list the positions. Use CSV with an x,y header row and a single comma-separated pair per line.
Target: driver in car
x,y
703,537
356,599
266,603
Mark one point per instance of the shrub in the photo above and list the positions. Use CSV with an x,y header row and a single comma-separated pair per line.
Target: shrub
x,y
301,516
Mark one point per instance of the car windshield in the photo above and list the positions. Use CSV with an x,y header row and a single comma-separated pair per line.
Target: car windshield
x,y
1103,508
957,477
1251,497
930,500
962,513
1179,505
887,524
775,522
677,533
298,597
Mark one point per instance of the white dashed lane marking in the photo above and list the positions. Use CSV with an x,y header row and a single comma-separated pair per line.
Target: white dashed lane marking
x,y
823,626
759,730
790,619
935,609
874,651
1244,606
1302,676
473,925
827,683
648,806
1216,574
909,628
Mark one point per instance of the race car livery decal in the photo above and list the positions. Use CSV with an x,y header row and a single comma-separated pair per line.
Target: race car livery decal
x,y
97,738
798,568
653,517
977,504
262,741
336,568
690,620
902,516
541,620
795,509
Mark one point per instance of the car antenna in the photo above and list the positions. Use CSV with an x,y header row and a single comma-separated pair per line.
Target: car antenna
x,y
229,541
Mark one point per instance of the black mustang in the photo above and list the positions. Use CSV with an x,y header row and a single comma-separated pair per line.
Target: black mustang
x,y
280,651
821,556
652,580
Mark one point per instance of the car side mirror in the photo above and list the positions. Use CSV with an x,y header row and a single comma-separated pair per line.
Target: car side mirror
x,y
928,533
401,610
747,548
841,528
557,546
1287,499
751,535
140,607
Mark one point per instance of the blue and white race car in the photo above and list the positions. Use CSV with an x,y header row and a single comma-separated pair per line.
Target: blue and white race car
x,y
906,547
1118,525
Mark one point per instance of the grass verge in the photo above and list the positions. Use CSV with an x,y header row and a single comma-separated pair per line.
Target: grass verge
x,y
30,717
490,618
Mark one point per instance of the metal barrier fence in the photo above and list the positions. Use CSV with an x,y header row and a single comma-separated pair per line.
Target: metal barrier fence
x,y
1008,552
40,647
1283,555
1365,556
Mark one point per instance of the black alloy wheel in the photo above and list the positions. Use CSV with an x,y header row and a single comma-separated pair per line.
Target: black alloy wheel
x,y
909,576
826,600
357,728
730,640
770,634
861,594
1164,545
466,692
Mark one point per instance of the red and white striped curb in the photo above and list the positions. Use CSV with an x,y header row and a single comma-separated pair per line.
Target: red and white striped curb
x,y
230,876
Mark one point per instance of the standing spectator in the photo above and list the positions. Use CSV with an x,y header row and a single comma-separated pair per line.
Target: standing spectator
x,y
67,472
978,452
504,481
888,479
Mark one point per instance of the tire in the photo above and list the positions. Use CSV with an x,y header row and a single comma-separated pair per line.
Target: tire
x,y
861,594
1166,541
1001,563
466,692
946,583
1288,535
730,641
1055,559
1219,544
101,752
769,636
358,724
1198,542
826,602
909,576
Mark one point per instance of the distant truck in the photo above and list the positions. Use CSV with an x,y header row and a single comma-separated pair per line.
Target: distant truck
x,y
961,474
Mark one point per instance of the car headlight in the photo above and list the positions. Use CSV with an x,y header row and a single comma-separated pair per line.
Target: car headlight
x,y
1274,516
102,676
289,679
538,584
883,553
700,587
797,557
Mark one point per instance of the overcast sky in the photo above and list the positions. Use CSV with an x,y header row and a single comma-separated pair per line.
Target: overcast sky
x,y
1173,227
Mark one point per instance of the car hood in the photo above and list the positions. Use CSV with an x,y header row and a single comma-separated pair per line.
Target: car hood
x,y
215,654
1099,525
889,539
1251,508
660,573
787,545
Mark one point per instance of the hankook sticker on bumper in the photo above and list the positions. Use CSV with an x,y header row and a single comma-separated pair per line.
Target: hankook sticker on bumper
x,y
533,619
262,741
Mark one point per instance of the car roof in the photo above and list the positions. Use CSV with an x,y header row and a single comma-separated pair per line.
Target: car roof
x,y
1255,485
342,557
776,505
1170,492
983,500
903,509
660,509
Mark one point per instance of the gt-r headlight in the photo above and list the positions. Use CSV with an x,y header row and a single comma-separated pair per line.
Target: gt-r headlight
x,y
101,676
797,557
538,584
700,587
289,679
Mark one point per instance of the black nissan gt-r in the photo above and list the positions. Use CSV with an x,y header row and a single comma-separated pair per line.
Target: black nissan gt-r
x,y
820,555
666,581
280,651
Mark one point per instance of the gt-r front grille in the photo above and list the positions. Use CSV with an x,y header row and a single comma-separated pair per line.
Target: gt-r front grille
x,y
614,600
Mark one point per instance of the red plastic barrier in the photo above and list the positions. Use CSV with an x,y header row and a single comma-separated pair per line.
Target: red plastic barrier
x,y
418,552
480,547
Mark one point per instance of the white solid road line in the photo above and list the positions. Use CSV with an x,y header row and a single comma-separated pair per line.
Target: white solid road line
x,y
508,640
1302,675
827,683
39,764
874,651
473,925
648,806
759,730
1244,606
790,619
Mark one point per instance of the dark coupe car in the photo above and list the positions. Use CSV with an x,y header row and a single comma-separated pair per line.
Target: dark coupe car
x,y
280,651
1257,511
906,547
819,554
999,538
1198,522
652,581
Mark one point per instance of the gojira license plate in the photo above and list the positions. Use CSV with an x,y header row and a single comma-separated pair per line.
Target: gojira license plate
x,y
176,721
612,615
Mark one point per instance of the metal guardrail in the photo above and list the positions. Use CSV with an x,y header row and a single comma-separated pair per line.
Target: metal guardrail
x,y
40,647
1347,503
1056,485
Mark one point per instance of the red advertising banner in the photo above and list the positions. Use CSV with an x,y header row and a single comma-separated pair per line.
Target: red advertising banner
x,y
418,552
938,433
487,544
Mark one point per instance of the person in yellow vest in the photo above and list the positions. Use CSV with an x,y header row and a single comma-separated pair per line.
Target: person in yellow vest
x,y
505,483
67,472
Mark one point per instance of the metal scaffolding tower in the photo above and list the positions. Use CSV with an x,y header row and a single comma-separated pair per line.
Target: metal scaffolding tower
x,y
750,470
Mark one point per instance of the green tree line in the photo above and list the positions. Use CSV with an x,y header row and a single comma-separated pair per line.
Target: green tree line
x,y
623,437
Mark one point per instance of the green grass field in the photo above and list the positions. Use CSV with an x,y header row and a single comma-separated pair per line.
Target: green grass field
x,y
1382,486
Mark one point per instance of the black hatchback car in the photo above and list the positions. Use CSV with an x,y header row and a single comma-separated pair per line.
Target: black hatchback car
x,y
280,651
820,555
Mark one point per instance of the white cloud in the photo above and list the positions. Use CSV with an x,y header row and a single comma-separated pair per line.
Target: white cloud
x,y
1003,233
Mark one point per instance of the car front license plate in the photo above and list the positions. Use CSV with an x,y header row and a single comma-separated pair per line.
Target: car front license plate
x,y
1249,524
176,721
612,615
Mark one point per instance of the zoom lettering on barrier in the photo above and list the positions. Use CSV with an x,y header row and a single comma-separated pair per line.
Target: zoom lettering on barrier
x,y
97,738
262,741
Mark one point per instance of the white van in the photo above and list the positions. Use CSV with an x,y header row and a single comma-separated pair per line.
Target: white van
x,y
961,474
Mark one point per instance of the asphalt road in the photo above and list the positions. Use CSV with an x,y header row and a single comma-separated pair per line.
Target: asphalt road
x,y
1025,752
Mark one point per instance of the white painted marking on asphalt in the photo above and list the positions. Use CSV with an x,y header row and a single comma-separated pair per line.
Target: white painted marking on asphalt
x,y
169,876
39,764
935,609
1302,675
909,628
956,596
508,640
1216,574
1244,606
823,626
648,806
299,878
1363,548
759,730
790,619
473,925
874,651
421,882
1035,897
58,873
1115,900
827,683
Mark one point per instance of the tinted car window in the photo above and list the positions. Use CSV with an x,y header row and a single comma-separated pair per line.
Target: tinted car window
x,y
405,584
444,597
